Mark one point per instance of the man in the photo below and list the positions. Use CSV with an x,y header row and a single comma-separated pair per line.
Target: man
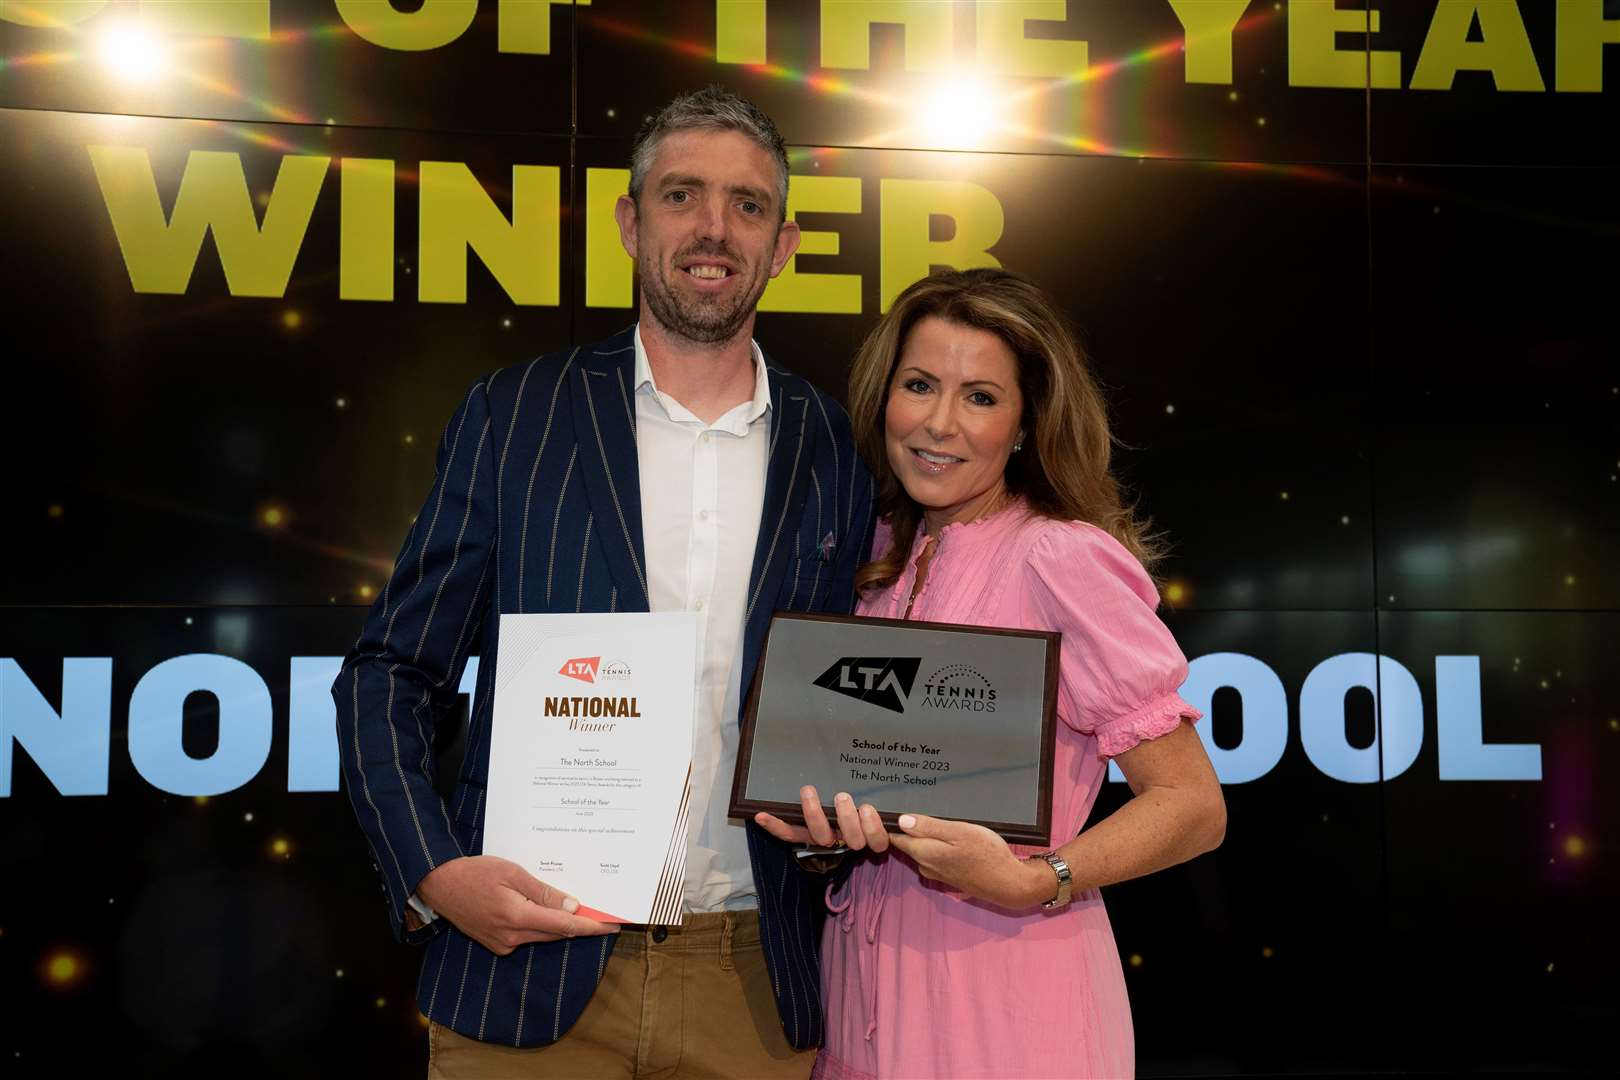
x,y
666,469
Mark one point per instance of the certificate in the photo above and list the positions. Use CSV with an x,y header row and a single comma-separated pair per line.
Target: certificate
x,y
589,757
932,718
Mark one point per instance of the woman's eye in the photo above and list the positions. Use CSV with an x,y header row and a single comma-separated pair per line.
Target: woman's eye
x,y
981,398
917,386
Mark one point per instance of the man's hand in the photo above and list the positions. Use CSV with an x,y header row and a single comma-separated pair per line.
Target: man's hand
x,y
500,905
859,827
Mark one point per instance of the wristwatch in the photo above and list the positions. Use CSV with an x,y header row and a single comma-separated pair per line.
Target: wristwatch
x,y
1065,879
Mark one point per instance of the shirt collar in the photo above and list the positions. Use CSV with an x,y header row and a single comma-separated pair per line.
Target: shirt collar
x,y
755,409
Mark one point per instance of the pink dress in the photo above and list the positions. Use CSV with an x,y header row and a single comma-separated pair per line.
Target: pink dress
x,y
921,981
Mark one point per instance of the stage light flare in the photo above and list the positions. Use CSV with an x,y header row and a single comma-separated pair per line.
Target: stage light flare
x,y
131,52
959,113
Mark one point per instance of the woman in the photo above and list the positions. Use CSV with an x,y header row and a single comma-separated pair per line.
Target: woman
x,y
951,953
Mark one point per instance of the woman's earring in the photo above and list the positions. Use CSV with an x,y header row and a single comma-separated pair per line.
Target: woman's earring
x,y
1019,445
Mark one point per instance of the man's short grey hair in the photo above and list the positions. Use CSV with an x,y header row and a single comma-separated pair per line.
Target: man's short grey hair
x,y
711,109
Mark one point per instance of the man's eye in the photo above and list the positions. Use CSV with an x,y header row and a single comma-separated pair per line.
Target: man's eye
x,y
749,207
678,197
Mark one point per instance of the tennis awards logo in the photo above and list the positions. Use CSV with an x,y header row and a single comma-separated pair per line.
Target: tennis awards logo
x,y
959,686
888,681
582,668
588,669
884,681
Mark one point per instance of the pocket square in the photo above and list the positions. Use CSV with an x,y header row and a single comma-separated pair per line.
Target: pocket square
x,y
827,547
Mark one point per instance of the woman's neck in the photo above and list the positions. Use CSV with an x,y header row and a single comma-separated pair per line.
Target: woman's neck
x,y
980,506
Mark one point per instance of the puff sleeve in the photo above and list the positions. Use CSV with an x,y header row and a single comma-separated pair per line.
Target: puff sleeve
x,y
1120,667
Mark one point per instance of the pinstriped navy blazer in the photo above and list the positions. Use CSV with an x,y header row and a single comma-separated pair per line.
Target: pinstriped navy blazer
x,y
535,508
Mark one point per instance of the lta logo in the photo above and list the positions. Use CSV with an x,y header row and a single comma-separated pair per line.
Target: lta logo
x,y
884,681
582,668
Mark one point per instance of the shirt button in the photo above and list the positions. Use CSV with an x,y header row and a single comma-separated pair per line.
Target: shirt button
x,y
703,515
660,933
699,605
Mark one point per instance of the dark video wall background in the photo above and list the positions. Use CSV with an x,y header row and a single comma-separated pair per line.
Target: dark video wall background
x,y
1362,352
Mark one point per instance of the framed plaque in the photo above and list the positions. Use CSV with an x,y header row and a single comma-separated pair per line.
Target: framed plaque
x,y
931,718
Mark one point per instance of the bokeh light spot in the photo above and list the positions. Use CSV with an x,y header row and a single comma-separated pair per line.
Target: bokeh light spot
x,y
55,510
63,968
281,847
1574,846
1136,960
273,516
291,319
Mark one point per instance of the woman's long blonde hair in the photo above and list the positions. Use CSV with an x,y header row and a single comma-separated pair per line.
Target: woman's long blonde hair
x,y
1063,470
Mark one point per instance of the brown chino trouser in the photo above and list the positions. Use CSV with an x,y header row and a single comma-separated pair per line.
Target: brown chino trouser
x,y
675,1002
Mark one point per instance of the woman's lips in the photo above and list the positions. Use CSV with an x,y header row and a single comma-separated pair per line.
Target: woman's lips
x,y
931,462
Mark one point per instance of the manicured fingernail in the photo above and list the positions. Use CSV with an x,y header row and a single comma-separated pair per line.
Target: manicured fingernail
x,y
807,792
570,905
907,821
843,796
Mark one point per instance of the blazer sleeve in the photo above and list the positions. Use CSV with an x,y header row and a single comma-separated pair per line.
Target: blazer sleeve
x,y
404,671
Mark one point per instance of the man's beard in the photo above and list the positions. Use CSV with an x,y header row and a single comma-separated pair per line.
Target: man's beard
x,y
697,318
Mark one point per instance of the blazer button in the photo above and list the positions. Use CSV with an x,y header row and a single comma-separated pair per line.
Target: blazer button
x,y
660,933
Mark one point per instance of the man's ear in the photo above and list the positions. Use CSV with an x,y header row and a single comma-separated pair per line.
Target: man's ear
x,y
787,242
624,212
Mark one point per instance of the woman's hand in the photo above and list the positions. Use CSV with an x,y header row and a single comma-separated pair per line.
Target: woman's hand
x,y
975,860
860,829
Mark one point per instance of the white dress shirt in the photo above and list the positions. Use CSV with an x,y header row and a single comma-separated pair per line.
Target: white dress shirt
x,y
702,496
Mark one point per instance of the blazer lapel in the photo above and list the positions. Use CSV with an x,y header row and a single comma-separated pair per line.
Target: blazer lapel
x,y
605,430
787,483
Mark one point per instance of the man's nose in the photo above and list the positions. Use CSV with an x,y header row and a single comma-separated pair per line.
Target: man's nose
x,y
711,219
